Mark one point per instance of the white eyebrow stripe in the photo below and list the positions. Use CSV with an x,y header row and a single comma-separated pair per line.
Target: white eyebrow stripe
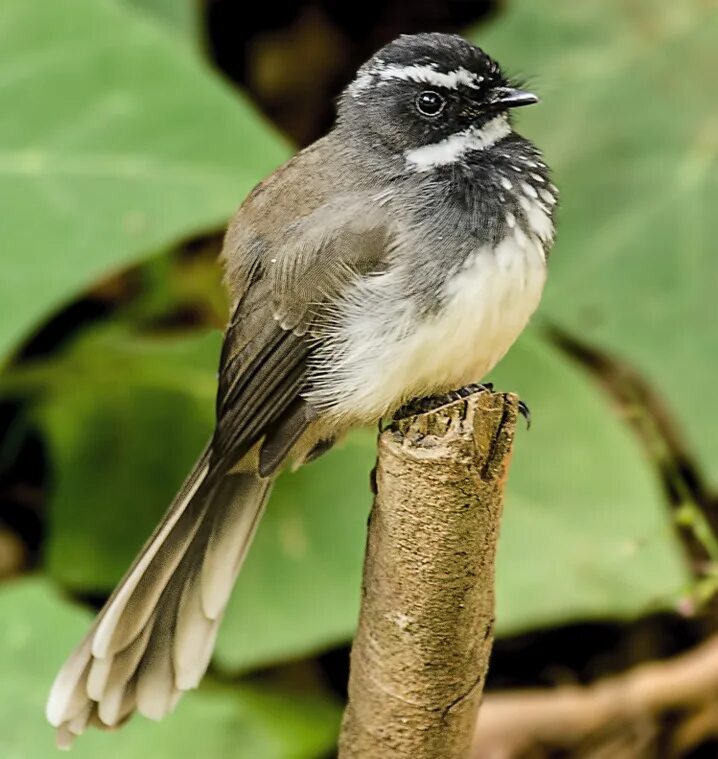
x,y
361,83
454,147
429,75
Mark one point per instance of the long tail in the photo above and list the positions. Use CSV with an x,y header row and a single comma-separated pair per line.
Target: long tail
x,y
154,637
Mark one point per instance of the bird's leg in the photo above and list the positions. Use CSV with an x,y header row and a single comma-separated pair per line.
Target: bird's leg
x,y
432,402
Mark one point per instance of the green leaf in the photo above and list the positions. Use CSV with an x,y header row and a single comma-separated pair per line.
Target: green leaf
x,y
181,15
585,533
115,140
629,123
121,439
243,721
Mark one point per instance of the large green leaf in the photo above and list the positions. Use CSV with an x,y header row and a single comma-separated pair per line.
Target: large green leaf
x,y
243,721
629,122
114,140
182,16
125,420
585,533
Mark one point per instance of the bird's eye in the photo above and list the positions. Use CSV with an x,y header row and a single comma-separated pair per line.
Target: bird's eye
x,y
429,103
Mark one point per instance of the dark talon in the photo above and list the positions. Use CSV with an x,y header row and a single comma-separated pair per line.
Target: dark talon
x,y
320,448
525,412
432,402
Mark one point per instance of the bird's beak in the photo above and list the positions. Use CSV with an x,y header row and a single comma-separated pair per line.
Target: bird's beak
x,y
508,97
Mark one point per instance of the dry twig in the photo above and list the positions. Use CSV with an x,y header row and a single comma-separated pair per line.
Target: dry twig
x,y
514,722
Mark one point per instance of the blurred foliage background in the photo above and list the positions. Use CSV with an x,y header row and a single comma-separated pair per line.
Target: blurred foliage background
x,y
129,132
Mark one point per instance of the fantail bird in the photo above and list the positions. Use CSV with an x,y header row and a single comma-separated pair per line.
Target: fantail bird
x,y
399,256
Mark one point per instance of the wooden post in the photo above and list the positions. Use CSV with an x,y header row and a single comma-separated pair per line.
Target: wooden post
x,y
425,633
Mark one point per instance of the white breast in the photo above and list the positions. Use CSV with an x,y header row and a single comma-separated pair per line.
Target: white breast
x,y
381,353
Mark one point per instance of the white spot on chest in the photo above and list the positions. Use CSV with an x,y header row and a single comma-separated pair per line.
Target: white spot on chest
x,y
538,219
383,353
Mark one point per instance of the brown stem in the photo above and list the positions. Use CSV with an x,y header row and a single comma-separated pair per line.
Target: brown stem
x,y
426,625
513,722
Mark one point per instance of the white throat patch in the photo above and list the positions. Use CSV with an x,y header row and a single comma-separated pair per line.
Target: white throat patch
x,y
455,146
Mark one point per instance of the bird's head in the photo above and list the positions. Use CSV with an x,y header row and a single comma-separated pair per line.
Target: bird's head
x,y
432,98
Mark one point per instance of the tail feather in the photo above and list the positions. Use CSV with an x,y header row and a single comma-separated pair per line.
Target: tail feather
x,y
230,536
155,674
78,723
117,702
129,613
112,672
67,693
128,610
155,636
108,678
194,633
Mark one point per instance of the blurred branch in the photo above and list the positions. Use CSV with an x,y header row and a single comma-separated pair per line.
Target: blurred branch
x,y
426,625
513,723
660,435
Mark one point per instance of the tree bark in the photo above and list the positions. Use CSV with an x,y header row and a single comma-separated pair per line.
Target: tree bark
x,y
425,633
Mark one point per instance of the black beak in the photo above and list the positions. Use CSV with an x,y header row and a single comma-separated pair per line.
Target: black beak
x,y
508,97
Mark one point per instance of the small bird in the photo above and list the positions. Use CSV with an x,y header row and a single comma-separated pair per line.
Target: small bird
x,y
397,257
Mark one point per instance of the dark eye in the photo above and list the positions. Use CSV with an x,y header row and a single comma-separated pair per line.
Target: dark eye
x,y
429,103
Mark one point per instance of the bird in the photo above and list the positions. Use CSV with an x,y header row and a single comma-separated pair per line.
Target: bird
x,y
397,257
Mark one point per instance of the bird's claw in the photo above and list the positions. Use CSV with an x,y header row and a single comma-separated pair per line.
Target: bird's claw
x,y
525,412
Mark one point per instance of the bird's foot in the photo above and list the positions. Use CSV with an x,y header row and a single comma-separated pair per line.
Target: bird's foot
x,y
432,402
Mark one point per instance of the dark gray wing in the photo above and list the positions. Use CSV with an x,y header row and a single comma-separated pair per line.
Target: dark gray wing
x,y
261,374
269,339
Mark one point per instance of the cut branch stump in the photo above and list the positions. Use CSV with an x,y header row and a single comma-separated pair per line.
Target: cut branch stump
x,y
425,632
